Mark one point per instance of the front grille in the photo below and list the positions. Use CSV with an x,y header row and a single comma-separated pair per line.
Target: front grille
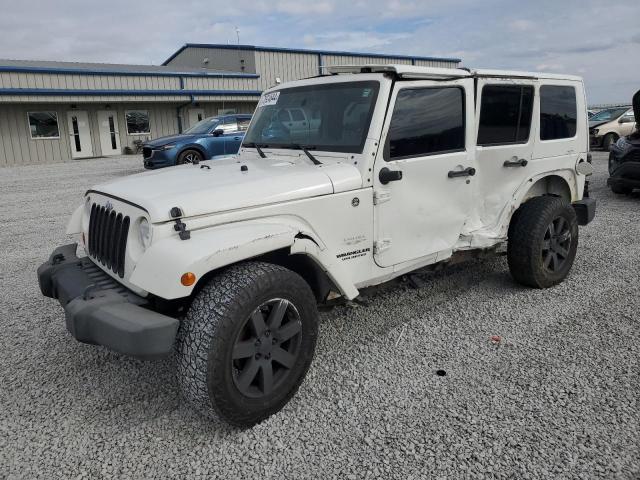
x,y
108,231
147,152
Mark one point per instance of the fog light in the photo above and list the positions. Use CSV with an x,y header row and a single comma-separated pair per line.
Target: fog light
x,y
188,279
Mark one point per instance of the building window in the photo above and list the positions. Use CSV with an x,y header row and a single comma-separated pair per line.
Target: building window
x,y
137,122
558,112
43,124
505,114
427,121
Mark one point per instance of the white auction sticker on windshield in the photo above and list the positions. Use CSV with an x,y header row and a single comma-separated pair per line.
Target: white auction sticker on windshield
x,y
269,99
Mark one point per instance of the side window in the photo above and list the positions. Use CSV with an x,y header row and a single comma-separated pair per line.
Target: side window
x,y
426,121
505,114
230,125
297,115
243,124
558,112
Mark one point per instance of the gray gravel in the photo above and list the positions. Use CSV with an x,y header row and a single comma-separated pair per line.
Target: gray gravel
x,y
558,397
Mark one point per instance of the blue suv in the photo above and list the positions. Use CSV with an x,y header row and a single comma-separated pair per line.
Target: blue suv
x,y
209,138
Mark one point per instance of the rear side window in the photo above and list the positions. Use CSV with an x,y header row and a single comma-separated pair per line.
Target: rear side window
x,y
558,112
297,115
505,114
426,121
243,124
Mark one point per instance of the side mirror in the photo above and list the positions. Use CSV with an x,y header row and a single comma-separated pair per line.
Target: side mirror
x,y
217,132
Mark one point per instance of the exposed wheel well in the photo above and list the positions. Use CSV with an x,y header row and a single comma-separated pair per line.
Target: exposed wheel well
x,y
303,265
553,185
197,149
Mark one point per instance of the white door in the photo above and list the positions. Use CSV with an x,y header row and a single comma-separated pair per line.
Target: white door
x,y
195,115
506,135
423,181
79,134
109,133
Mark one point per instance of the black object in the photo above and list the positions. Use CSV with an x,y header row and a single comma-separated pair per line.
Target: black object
x,y
108,233
205,166
100,311
181,227
244,168
521,162
467,172
441,373
175,212
257,147
306,149
585,210
386,175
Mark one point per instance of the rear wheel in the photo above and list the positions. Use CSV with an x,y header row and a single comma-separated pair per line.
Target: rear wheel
x,y
189,156
247,342
543,239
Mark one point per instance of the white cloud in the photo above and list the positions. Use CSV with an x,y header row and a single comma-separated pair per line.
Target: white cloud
x,y
521,25
571,36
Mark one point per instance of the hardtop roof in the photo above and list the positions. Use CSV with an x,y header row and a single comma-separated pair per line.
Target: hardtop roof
x,y
434,73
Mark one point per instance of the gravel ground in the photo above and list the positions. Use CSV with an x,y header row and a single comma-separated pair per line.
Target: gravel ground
x,y
558,397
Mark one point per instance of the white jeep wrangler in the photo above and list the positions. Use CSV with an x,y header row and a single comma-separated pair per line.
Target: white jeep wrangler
x,y
397,168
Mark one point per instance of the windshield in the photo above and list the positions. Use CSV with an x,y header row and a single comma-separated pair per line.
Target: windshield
x,y
330,117
203,126
610,114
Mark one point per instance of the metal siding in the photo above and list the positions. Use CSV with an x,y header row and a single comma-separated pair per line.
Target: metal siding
x,y
220,59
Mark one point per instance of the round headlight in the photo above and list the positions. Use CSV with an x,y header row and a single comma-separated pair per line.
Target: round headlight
x,y
144,232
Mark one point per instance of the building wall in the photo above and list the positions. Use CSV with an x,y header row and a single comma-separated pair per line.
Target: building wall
x,y
18,148
226,59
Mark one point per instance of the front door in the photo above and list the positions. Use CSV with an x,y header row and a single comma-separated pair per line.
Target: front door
x,y
195,115
79,134
109,134
424,178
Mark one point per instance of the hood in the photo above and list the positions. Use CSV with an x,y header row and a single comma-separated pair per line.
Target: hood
x,y
198,190
597,123
158,142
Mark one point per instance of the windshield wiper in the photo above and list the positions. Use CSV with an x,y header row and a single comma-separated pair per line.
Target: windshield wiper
x,y
305,149
257,147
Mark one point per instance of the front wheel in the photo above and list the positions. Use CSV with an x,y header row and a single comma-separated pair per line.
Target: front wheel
x,y
247,342
189,156
542,243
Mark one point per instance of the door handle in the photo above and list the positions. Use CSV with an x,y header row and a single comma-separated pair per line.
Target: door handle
x,y
467,172
385,176
515,162
236,138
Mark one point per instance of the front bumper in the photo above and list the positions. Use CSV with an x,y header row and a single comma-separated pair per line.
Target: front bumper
x,y
624,167
585,210
160,159
100,311
595,141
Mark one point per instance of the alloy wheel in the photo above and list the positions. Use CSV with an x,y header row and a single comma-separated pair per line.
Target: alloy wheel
x,y
556,244
266,348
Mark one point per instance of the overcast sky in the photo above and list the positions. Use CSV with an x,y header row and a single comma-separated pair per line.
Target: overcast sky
x,y
599,40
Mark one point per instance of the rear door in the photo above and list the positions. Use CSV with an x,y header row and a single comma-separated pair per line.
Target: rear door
x,y
506,136
424,179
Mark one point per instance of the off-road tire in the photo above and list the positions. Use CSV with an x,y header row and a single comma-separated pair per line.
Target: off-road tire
x,y
214,321
189,156
608,140
527,232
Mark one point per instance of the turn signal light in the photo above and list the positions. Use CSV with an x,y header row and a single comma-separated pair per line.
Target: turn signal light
x,y
188,279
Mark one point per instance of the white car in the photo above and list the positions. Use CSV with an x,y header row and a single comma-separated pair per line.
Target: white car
x,y
406,167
